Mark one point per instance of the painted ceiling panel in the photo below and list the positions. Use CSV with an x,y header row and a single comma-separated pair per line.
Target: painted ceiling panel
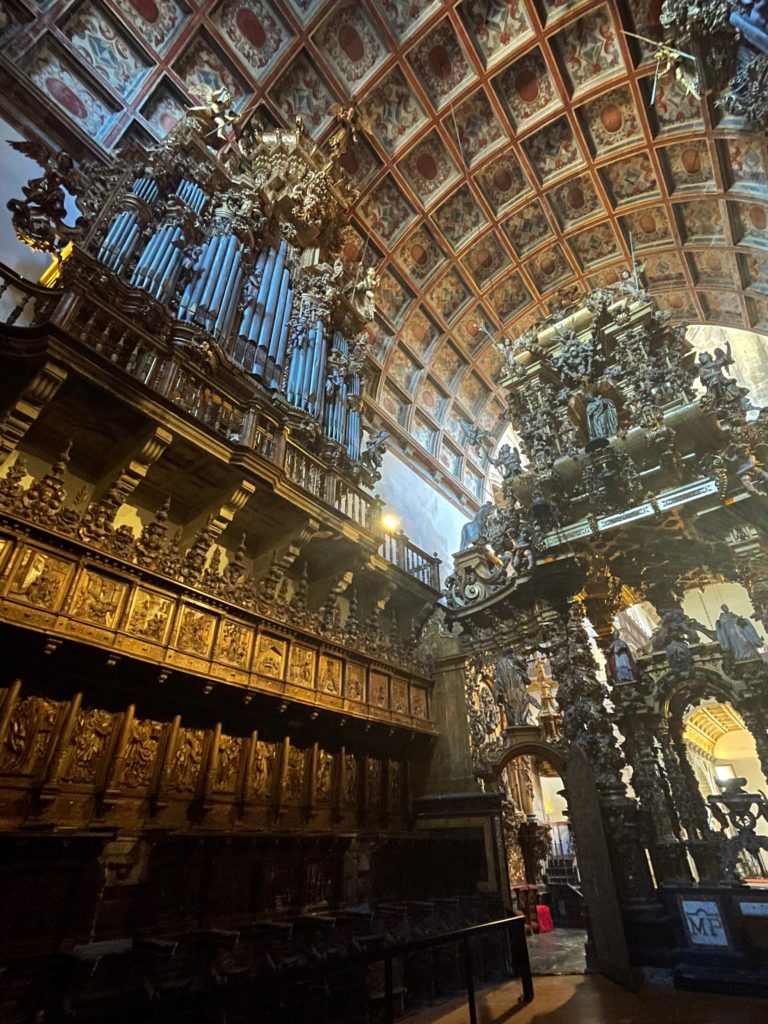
x,y
513,155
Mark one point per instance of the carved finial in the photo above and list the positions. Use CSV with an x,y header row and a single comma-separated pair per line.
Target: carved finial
x,y
60,465
164,511
11,483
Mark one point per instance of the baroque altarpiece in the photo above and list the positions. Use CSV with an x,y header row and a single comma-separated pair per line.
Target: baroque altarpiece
x,y
642,476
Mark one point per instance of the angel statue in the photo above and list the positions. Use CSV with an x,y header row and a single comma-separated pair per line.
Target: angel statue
x,y
367,285
373,455
38,218
474,435
349,121
508,462
216,113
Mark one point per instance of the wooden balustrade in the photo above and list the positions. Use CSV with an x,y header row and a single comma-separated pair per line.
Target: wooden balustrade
x,y
23,303
305,470
398,550
357,505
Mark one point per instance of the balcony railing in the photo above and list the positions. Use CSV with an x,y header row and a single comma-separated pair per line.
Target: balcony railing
x,y
398,550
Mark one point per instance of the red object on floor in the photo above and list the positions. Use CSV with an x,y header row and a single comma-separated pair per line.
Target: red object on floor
x,y
544,915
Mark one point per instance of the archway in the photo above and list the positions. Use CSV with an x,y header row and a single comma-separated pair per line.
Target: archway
x,y
721,750
541,855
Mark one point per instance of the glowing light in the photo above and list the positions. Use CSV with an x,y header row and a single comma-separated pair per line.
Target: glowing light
x,y
50,275
390,522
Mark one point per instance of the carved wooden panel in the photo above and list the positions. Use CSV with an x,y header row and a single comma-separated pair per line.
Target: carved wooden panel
x,y
400,695
270,656
39,579
295,782
264,769
419,702
187,760
323,780
355,682
195,633
301,666
228,764
89,746
373,783
234,643
379,690
149,616
27,735
97,598
351,793
329,675
137,763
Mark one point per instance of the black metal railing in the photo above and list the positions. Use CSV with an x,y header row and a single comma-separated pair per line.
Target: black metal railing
x,y
514,928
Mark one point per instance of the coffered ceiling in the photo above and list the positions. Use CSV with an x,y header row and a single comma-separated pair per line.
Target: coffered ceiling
x,y
513,153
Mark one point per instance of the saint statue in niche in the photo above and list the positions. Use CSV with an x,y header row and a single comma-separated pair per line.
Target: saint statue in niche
x,y
621,664
511,689
737,636
602,421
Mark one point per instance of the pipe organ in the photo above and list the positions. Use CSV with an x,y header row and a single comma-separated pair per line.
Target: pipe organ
x,y
248,260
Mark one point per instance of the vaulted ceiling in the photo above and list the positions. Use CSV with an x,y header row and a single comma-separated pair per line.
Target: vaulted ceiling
x,y
514,152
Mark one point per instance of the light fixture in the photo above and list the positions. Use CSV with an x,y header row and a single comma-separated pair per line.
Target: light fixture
x,y
390,522
724,771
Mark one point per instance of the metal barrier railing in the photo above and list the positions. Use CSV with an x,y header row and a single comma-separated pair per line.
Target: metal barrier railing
x,y
515,930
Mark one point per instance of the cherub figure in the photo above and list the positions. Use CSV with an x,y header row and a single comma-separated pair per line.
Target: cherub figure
x,y
349,121
216,113
38,218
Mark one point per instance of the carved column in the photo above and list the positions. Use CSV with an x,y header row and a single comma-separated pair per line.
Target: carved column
x,y
587,725
689,803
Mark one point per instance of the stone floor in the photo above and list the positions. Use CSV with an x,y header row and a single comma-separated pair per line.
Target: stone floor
x,y
592,999
558,952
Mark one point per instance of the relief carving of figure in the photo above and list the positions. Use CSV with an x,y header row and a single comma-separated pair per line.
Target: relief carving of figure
x,y
263,764
511,689
140,754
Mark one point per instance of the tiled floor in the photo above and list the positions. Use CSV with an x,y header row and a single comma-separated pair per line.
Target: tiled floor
x,y
558,952
592,999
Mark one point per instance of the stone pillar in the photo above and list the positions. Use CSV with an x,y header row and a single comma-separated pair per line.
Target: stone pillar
x,y
450,769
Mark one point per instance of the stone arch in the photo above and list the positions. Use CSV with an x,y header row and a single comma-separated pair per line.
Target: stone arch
x,y
521,741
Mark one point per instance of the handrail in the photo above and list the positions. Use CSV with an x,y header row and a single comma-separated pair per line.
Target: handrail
x,y
398,549
515,925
